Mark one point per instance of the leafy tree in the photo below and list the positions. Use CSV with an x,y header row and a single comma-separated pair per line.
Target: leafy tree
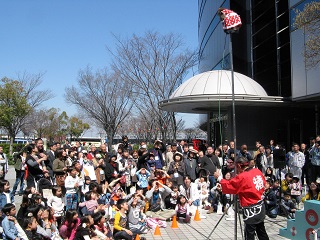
x,y
24,97
309,20
14,107
77,127
103,97
154,65
62,125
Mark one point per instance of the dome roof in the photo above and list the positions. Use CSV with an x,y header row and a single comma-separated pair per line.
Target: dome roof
x,y
219,82
208,90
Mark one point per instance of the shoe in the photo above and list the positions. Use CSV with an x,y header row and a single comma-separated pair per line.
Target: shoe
x,y
207,208
20,193
211,210
168,219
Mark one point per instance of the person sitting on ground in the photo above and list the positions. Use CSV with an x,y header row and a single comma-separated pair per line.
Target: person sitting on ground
x,y
56,202
270,199
203,187
277,190
91,202
136,218
288,206
269,174
161,176
191,193
102,228
286,182
5,194
30,228
69,226
86,230
313,192
120,230
43,228
174,196
295,190
10,225
183,209
155,197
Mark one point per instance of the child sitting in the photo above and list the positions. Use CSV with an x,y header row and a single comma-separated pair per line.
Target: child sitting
x,y
10,225
102,228
295,189
286,182
203,187
5,194
183,209
276,189
288,206
174,196
69,226
86,231
85,187
91,202
30,228
136,218
120,230
56,203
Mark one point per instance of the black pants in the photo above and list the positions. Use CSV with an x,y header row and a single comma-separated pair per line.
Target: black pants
x,y
259,228
122,235
315,172
306,173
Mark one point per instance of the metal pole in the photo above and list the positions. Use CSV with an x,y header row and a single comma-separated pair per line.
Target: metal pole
x,y
234,139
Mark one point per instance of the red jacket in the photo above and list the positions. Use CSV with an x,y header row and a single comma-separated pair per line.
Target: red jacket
x,y
249,185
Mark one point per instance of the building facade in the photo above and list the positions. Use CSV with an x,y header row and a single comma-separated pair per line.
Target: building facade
x,y
269,50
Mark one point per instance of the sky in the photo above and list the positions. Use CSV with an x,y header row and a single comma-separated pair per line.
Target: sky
x,y
61,37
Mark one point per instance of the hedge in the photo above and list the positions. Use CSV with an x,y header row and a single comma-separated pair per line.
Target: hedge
x,y
15,147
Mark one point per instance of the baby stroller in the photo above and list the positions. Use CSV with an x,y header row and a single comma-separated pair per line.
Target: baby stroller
x,y
45,188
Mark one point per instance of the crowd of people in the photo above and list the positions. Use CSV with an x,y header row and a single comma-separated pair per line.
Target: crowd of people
x,y
74,192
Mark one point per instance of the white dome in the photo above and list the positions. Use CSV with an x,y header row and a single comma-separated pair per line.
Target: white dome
x,y
209,90
219,82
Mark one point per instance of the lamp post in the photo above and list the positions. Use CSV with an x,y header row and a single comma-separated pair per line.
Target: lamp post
x,y
234,138
231,24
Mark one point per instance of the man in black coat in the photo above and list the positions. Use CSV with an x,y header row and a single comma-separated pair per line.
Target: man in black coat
x,y
211,163
51,157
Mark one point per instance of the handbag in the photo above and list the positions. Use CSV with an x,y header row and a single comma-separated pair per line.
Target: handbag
x,y
153,223
156,206
26,173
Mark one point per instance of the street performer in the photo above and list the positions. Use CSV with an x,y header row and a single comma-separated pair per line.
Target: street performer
x,y
248,184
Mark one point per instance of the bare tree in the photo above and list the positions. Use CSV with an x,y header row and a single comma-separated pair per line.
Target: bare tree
x,y
30,84
154,65
309,20
104,97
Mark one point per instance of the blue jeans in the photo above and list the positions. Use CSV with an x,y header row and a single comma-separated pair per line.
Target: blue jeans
x,y
196,202
71,201
212,181
19,179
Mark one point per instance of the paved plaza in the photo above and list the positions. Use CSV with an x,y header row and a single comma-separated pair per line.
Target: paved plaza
x,y
196,229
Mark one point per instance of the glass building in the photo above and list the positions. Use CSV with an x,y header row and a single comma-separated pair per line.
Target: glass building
x,y
269,50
